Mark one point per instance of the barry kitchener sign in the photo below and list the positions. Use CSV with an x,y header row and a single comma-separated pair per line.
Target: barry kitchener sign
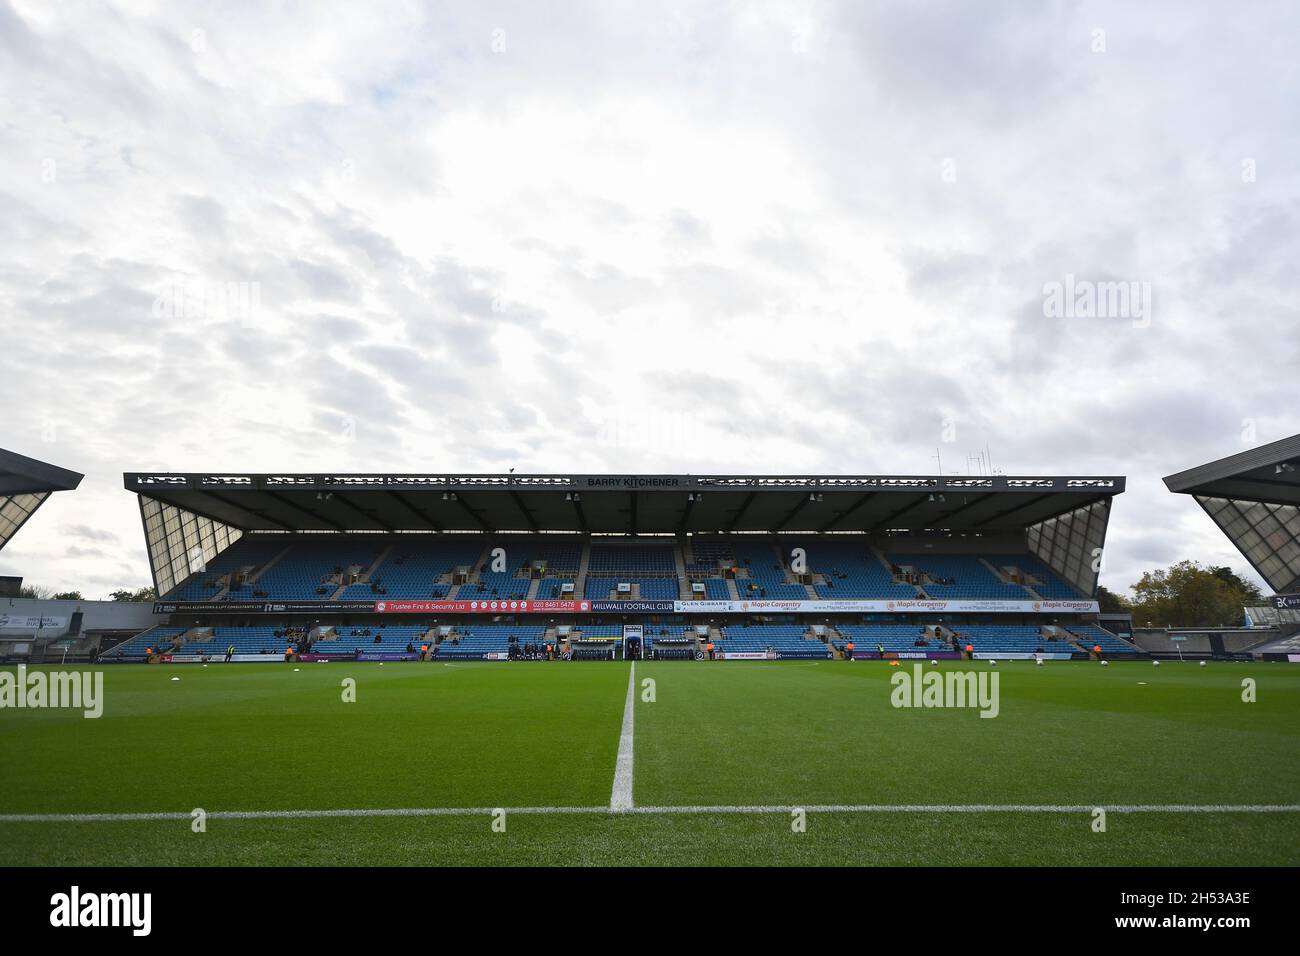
x,y
630,482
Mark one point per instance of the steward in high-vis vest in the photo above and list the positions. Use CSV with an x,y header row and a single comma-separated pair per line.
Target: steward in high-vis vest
x,y
230,652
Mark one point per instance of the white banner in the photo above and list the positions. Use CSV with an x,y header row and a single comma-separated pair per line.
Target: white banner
x,y
1018,656
911,606
746,655
31,622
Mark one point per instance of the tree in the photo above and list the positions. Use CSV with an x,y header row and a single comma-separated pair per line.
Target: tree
x,y
143,595
1234,580
1190,594
35,592
1111,603
69,596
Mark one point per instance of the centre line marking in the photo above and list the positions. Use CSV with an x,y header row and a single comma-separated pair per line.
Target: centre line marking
x,y
620,800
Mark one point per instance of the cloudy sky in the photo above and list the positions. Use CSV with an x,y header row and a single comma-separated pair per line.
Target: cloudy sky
x,y
697,237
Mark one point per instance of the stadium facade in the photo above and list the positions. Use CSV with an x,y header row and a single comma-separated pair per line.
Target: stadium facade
x,y
496,566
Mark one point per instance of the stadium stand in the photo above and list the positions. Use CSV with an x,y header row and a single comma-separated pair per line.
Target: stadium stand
x,y
1004,638
134,648
958,576
1044,583
225,572
421,567
764,573
847,569
477,640
650,569
1090,635
342,553
787,640
895,638
416,568
314,569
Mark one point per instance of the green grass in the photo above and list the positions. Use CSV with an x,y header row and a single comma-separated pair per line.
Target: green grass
x,y
264,737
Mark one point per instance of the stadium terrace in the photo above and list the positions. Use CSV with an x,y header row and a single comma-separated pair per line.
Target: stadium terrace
x,y
737,567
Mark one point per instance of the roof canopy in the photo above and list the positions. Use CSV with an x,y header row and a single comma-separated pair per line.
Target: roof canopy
x,y
25,483
1269,473
21,475
622,504
1254,498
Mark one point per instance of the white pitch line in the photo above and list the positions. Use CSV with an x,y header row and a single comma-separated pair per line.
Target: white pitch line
x,y
288,814
980,808
620,798
651,811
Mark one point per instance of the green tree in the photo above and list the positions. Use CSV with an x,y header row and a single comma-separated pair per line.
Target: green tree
x,y
145,594
1234,580
1112,603
1190,594
69,596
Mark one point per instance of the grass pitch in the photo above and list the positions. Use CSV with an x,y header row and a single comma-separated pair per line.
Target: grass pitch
x,y
267,738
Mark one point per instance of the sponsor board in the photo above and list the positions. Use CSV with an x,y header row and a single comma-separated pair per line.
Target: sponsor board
x,y
220,657
906,655
489,606
746,655
262,607
31,622
897,607
1018,656
643,607
1285,602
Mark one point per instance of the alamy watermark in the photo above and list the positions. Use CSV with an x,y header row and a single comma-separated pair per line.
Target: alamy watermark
x,y
128,910
76,690
1084,299
973,689
223,301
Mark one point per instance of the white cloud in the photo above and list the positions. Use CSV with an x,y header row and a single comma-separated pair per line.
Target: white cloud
x,y
776,237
